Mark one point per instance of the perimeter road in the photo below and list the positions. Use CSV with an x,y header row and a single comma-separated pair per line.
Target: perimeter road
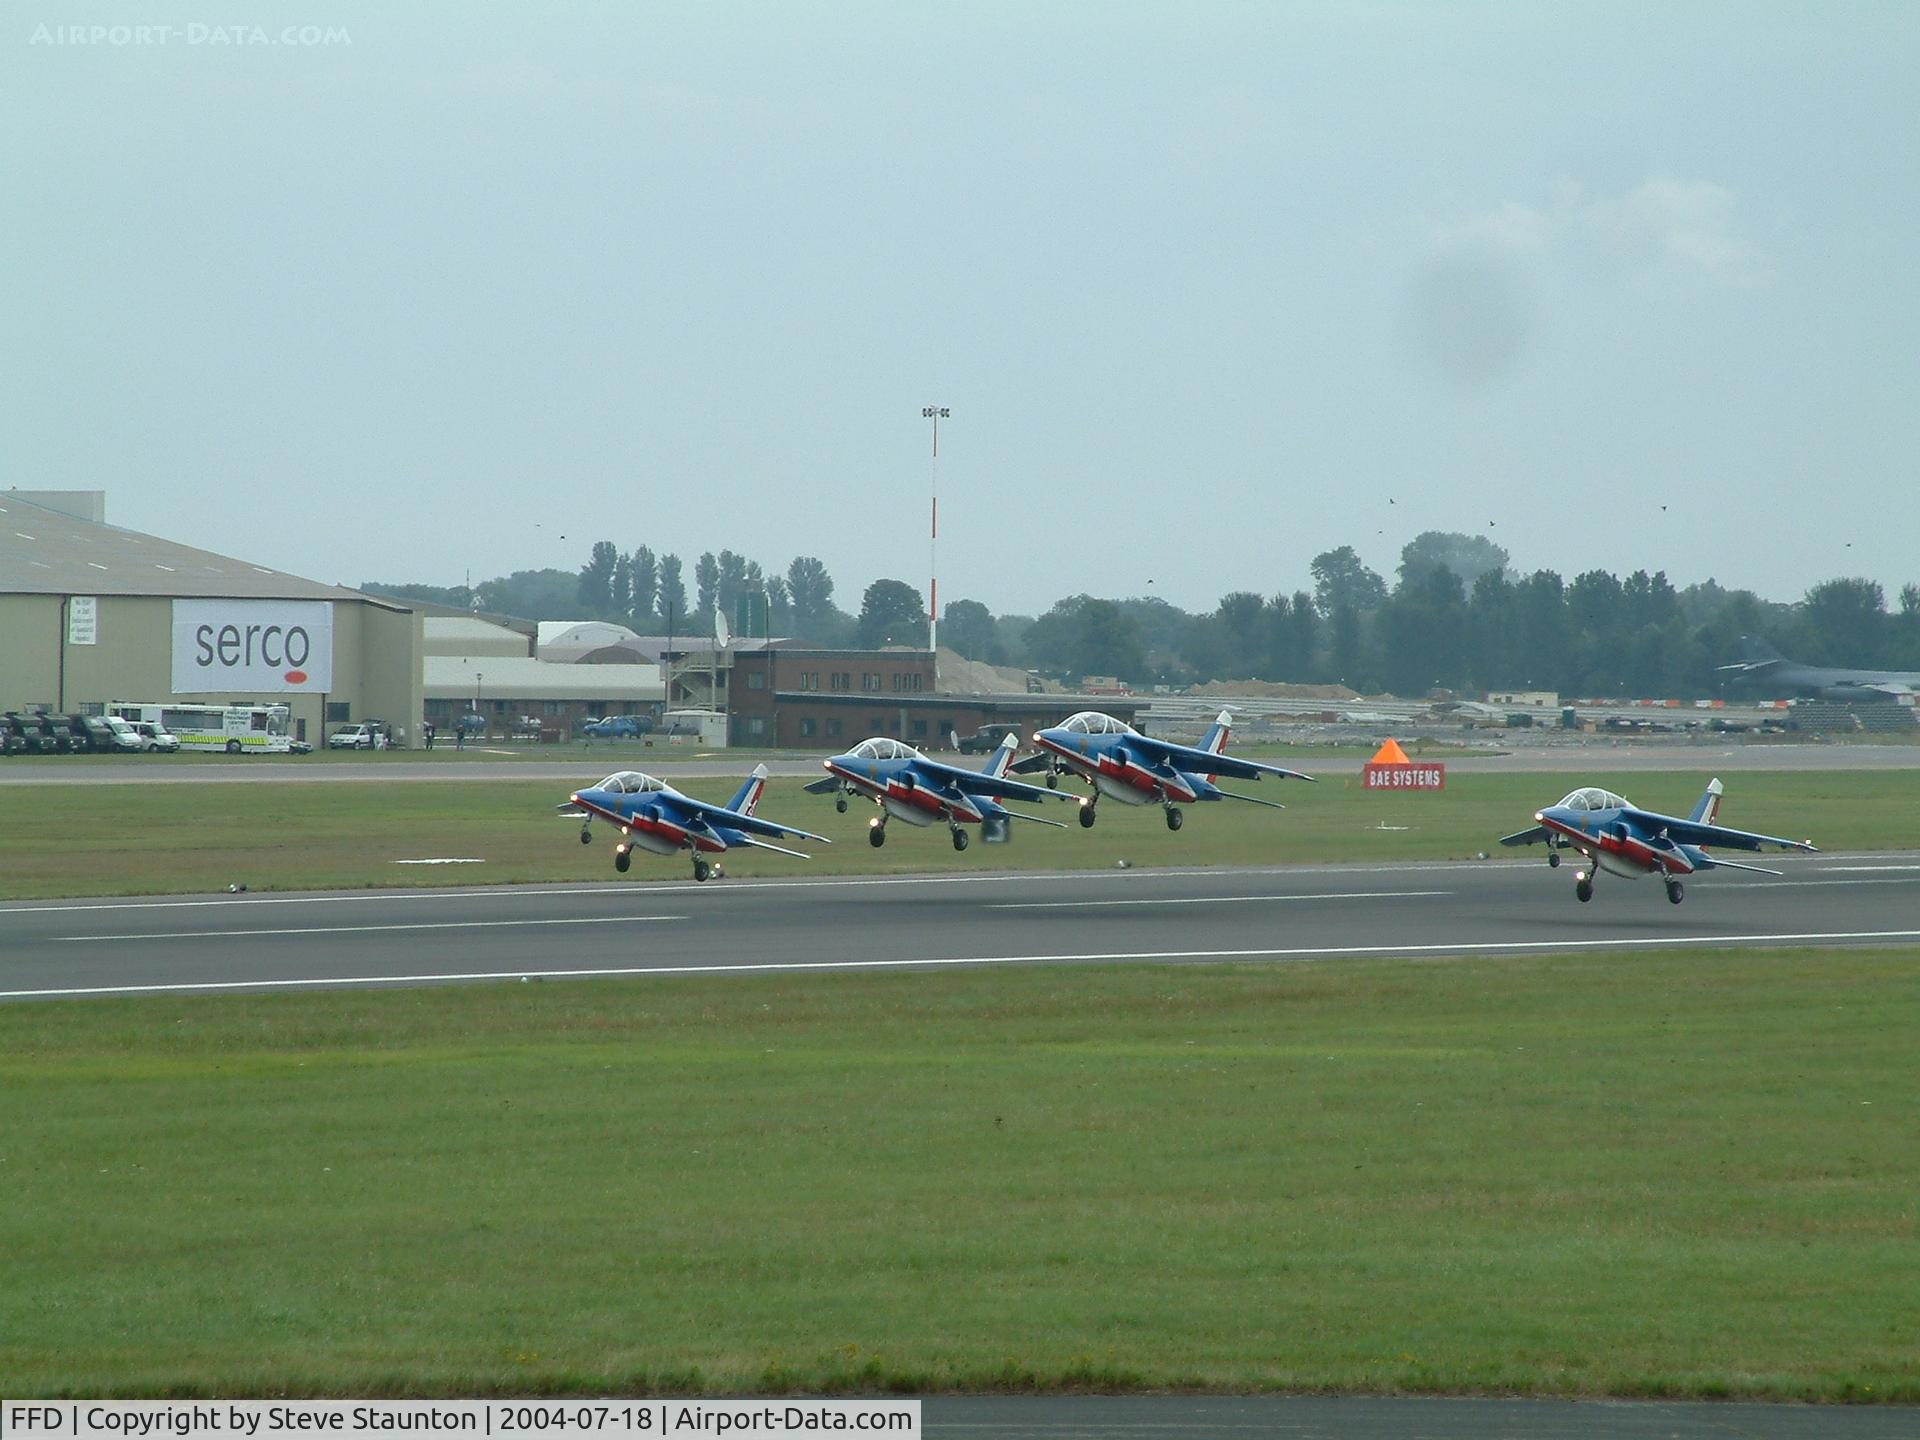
x,y
1312,913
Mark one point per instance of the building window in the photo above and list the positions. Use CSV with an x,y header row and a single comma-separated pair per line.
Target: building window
x,y
806,727
843,680
919,729
809,679
756,725
917,678
338,712
869,679
833,729
756,680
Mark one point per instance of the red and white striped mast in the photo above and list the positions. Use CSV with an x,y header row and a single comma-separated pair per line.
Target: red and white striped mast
x,y
935,413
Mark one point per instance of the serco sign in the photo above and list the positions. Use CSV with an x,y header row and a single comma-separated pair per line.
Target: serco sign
x,y
257,646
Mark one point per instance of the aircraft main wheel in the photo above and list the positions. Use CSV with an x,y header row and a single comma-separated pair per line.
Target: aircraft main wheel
x,y
1053,781
701,870
1174,818
622,859
586,836
959,839
1086,817
1553,859
1583,891
841,804
1676,892
877,836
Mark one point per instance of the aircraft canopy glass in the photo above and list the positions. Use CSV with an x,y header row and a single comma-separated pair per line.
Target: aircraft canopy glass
x,y
881,748
1593,798
630,782
1092,722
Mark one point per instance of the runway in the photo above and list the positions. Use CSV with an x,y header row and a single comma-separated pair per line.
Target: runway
x,y
213,944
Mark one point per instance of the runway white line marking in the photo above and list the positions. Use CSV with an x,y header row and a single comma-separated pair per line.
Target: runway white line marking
x,y
1551,945
1037,877
368,929
1216,900
1862,869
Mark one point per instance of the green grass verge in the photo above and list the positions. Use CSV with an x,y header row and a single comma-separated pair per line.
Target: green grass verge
x,y
160,839
1690,1174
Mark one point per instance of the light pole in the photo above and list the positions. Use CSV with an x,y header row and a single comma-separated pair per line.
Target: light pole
x,y
935,413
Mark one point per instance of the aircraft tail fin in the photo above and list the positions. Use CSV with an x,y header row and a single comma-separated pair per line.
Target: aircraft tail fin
x,y
1215,740
1708,808
1002,756
1754,651
749,794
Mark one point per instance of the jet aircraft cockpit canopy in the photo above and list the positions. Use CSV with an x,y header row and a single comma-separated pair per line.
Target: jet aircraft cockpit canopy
x,y
1092,722
629,782
881,748
1593,797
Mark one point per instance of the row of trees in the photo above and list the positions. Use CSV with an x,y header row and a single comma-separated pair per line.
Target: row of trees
x,y
1457,617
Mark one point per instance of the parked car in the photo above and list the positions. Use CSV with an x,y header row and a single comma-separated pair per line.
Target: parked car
x,y
98,734
618,727
12,740
987,738
143,735
64,740
39,736
367,735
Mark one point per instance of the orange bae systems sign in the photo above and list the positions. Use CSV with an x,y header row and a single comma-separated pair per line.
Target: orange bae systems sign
x,y
1390,769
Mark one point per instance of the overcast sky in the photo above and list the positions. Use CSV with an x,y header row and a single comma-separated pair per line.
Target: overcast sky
x,y
1209,288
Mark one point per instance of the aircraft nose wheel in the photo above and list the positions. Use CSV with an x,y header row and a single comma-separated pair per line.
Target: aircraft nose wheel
x,y
1086,817
959,839
1676,892
1553,859
622,858
586,836
701,870
877,836
1174,818
840,804
1053,781
1583,890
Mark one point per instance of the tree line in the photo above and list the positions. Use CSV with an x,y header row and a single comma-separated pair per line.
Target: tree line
x,y
1457,618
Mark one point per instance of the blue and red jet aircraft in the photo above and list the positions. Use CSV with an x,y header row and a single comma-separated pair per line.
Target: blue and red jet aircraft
x,y
1615,837
653,815
907,786
1135,769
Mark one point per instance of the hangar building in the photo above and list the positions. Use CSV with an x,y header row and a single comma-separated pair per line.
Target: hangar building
x,y
91,614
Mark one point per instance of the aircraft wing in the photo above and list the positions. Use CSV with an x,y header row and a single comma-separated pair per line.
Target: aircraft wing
x,y
823,787
1692,832
720,816
973,782
1714,863
1196,761
738,839
1533,835
1032,765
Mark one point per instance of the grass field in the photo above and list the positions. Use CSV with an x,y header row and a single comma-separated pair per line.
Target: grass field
x,y
196,838
1683,1174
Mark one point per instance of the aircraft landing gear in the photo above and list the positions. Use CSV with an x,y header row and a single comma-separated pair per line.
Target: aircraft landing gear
x,y
1174,818
1582,888
1553,859
1086,815
1676,892
840,803
701,870
1053,779
586,835
622,858
959,838
876,833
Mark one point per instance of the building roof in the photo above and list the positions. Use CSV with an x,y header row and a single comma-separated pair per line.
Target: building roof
x,y
468,635
521,677
51,549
